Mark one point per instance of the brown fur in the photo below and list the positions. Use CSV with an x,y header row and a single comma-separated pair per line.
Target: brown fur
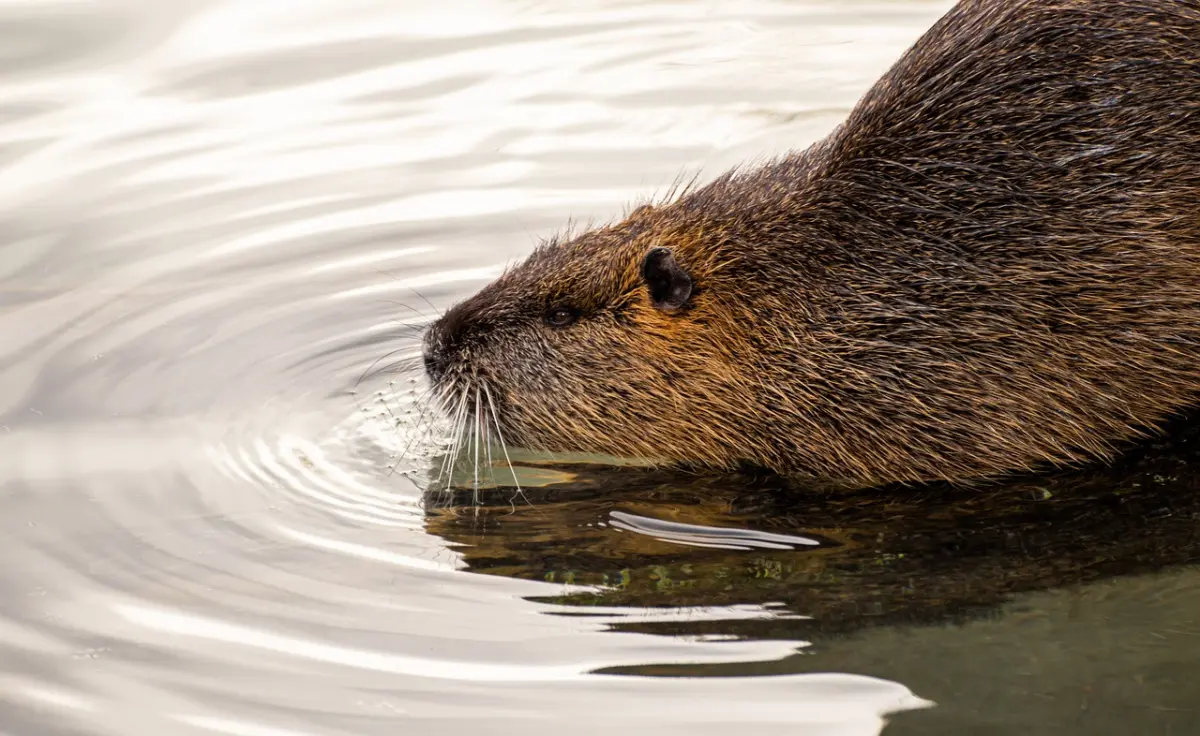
x,y
992,264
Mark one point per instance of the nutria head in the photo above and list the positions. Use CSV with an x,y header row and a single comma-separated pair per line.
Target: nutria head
x,y
993,264
618,342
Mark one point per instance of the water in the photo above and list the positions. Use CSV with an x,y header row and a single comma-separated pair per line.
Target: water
x,y
217,216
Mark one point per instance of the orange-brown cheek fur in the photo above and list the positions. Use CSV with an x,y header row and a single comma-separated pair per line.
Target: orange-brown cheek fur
x,y
667,390
687,375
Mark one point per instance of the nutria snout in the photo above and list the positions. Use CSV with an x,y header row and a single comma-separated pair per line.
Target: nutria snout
x,y
991,265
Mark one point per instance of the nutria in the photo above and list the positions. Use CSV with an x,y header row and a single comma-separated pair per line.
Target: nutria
x,y
992,265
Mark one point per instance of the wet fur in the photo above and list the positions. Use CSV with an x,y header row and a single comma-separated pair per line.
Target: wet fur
x,y
992,264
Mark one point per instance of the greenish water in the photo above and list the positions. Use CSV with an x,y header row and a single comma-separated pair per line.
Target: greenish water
x,y
224,223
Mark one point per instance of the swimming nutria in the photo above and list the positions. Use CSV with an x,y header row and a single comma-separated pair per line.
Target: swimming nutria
x,y
992,264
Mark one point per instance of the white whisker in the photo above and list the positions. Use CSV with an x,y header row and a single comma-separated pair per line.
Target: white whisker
x,y
503,447
383,357
460,433
487,446
477,420
448,462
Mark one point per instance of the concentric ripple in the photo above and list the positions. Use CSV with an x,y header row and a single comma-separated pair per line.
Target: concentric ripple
x,y
225,227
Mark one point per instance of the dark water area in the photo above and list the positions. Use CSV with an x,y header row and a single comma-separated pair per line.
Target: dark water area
x,y
223,225
1057,602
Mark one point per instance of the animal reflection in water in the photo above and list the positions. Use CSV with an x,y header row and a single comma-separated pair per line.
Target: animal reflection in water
x,y
886,556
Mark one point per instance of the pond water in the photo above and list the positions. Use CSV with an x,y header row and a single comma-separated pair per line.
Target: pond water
x,y
223,225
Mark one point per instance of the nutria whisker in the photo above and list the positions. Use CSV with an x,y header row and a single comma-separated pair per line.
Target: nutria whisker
x,y
487,443
461,435
375,362
420,321
443,400
503,446
432,309
478,419
457,427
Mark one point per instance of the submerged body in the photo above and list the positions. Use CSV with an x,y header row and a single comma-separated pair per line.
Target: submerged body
x,y
992,264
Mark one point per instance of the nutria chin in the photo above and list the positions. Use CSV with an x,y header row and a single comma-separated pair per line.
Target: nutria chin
x,y
993,264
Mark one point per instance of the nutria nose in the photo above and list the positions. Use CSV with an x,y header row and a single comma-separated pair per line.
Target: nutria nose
x,y
435,365
434,354
448,337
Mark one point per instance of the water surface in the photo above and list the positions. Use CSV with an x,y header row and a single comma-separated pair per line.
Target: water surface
x,y
218,216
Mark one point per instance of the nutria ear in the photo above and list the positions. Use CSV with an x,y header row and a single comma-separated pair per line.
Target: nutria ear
x,y
670,286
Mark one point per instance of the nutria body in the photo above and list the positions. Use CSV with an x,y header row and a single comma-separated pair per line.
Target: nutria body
x,y
991,265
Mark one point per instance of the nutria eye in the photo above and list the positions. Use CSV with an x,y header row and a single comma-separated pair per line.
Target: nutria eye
x,y
561,316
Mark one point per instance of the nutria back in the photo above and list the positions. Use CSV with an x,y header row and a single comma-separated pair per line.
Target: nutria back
x,y
991,265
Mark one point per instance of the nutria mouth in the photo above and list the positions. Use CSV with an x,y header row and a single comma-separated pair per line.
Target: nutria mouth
x,y
992,265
